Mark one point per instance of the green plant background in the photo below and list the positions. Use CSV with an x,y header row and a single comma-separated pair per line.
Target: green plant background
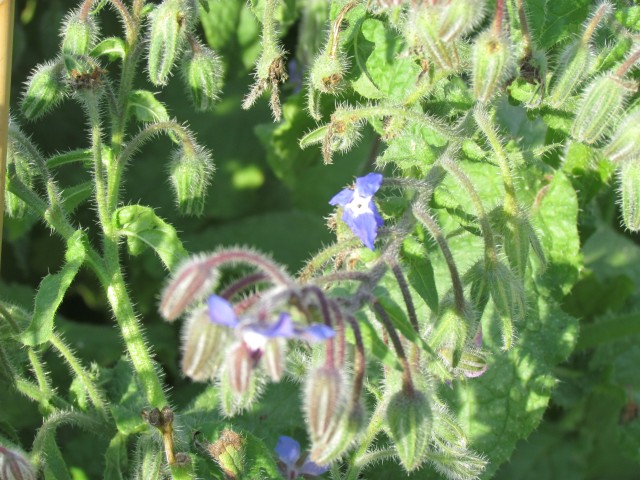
x,y
269,194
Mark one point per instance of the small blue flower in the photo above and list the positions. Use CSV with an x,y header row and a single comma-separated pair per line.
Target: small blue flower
x,y
289,452
256,334
360,213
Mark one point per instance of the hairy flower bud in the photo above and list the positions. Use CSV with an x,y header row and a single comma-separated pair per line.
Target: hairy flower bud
x,y
274,358
203,346
492,64
202,72
14,465
44,90
190,169
573,68
324,399
240,367
517,233
18,166
421,31
601,102
229,452
450,332
170,23
78,33
409,420
459,17
625,145
629,178
337,441
508,297
327,73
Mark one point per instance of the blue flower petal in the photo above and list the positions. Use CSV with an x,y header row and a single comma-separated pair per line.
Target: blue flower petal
x,y
221,312
376,214
342,198
283,327
312,468
288,450
364,226
369,184
316,333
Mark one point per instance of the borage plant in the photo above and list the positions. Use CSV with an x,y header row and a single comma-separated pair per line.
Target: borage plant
x,y
426,334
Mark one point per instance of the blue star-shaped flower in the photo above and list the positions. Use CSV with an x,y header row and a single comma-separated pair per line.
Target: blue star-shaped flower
x,y
289,452
256,334
359,212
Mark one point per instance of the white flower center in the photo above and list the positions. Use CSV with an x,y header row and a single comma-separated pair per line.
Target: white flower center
x,y
359,205
254,340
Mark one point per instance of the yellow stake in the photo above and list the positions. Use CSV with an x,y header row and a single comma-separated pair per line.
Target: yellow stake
x,y
6,47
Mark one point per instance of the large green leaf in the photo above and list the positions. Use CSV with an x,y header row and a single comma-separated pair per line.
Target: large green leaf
x,y
51,291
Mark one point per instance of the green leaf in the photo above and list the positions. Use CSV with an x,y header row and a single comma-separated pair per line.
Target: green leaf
x,y
74,196
72,156
219,21
143,228
314,136
629,17
55,467
113,48
420,276
383,73
52,290
126,398
146,108
116,458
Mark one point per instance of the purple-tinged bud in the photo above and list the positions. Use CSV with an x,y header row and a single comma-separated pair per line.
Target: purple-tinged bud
x,y
409,421
190,172
191,282
625,144
459,17
79,33
229,452
240,364
337,440
274,358
600,104
233,402
324,402
629,178
202,72
14,465
170,23
44,90
203,346
492,64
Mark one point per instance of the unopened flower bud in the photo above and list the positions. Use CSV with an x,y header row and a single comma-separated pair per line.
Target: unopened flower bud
x,y
601,102
459,17
190,170
240,365
14,465
275,358
517,239
170,23
573,68
324,399
472,362
450,332
191,282
409,420
508,297
629,179
492,64
229,452
79,33
45,89
422,33
202,72
337,441
625,144
203,346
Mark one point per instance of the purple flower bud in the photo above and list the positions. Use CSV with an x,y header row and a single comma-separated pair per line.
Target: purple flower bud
x,y
203,346
240,365
324,401
14,465
274,358
360,212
